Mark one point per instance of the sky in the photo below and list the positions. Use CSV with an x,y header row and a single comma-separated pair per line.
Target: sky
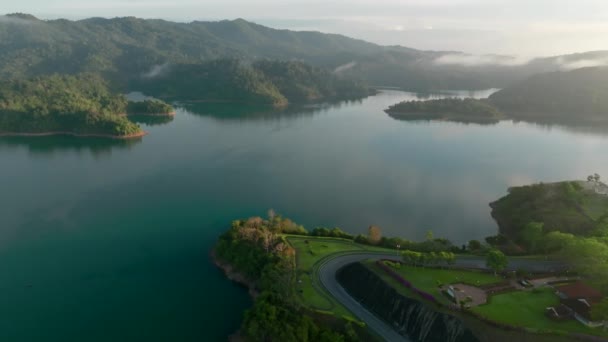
x,y
524,28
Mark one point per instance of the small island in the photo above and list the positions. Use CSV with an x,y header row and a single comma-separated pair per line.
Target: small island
x,y
80,105
573,97
450,109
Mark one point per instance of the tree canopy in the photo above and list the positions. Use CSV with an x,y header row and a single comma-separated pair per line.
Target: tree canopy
x,y
267,82
80,104
496,260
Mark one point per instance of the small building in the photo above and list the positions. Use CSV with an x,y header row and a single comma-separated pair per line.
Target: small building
x,y
579,290
559,313
579,298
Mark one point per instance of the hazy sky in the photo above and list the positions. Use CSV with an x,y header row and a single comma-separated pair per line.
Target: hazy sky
x,y
521,27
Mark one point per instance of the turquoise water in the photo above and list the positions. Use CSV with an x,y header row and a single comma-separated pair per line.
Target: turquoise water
x,y
104,240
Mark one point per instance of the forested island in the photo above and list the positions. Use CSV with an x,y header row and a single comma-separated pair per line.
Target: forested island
x,y
266,82
577,96
80,105
450,109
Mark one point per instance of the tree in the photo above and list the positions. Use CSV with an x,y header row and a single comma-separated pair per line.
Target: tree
x,y
429,235
532,235
374,234
411,257
474,245
556,241
496,260
448,257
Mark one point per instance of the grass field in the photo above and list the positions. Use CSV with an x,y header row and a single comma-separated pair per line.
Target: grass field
x,y
520,308
427,279
310,251
527,309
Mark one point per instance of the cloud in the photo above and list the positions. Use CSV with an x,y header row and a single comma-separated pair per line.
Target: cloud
x,y
480,60
345,67
156,70
567,65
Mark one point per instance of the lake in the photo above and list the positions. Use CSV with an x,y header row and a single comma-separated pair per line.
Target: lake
x,y
109,240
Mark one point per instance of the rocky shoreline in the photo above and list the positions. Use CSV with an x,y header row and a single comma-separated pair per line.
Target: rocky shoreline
x,y
234,275
238,278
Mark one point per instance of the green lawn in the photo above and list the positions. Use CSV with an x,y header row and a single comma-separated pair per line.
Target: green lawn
x,y
520,308
527,309
427,279
309,254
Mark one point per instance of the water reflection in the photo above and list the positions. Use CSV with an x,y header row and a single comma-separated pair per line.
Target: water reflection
x,y
240,112
50,145
581,128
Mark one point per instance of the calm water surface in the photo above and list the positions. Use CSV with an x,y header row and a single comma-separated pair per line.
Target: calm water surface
x,y
103,240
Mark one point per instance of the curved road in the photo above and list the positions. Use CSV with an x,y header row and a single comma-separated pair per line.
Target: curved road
x,y
327,276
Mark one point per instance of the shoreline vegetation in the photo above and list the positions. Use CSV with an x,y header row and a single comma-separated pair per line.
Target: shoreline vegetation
x,y
78,135
150,108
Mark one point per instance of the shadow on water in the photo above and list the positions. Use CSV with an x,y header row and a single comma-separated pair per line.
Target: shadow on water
x,y
241,112
97,147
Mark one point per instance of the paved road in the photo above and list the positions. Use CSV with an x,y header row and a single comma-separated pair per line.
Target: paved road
x,y
327,276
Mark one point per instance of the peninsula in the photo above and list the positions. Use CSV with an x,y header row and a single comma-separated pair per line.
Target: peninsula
x,y
80,105
480,291
150,107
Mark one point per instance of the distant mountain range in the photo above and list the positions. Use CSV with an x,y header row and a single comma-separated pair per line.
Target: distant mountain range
x,y
126,49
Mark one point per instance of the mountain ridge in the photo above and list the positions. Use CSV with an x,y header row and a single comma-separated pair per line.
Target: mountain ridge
x,y
124,48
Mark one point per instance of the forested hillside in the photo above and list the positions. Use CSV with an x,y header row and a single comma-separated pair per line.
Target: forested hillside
x,y
266,82
123,49
573,95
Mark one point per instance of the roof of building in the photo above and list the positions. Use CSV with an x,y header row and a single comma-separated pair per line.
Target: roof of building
x,y
561,311
580,290
580,306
